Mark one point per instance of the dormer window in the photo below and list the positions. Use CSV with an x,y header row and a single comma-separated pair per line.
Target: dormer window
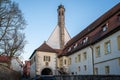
x,y
81,43
104,28
85,39
119,17
75,45
69,49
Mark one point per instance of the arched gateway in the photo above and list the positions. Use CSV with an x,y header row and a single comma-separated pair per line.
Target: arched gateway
x,y
46,71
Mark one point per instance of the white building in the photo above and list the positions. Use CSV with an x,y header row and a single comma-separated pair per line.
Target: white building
x,y
95,50
44,58
43,61
107,55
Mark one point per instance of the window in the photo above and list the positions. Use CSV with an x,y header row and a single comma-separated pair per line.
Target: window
x,y
65,61
75,45
78,68
96,70
79,58
76,59
69,61
104,28
118,40
69,49
46,58
107,47
80,43
98,51
85,40
107,70
85,67
119,61
62,13
61,62
84,56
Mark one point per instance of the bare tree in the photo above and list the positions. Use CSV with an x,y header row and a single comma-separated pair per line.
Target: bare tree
x,y
12,24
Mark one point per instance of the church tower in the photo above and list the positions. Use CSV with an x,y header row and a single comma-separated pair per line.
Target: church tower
x,y
61,24
59,36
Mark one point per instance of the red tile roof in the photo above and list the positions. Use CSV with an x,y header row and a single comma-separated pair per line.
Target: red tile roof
x,y
95,24
4,58
94,31
45,48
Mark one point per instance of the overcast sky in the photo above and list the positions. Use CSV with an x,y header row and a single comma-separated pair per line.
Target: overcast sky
x,y
41,17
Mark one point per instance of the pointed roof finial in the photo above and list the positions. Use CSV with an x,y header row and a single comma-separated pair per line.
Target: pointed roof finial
x,y
44,41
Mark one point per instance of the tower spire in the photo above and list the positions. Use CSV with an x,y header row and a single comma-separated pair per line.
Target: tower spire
x,y
61,24
59,36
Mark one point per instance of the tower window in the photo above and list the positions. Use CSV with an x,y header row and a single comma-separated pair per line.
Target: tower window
x,y
62,13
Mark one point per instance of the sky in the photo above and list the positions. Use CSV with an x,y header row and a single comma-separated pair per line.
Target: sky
x,y
42,17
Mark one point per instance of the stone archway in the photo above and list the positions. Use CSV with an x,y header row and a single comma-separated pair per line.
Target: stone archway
x,y
46,71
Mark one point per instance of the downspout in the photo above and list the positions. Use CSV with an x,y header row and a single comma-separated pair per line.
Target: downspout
x,y
92,59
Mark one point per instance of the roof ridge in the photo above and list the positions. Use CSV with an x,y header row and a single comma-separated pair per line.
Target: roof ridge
x,y
45,47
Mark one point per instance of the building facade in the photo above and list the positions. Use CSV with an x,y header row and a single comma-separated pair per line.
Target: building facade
x,y
95,50
44,59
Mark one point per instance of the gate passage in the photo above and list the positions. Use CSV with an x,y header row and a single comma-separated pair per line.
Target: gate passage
x,y
46,71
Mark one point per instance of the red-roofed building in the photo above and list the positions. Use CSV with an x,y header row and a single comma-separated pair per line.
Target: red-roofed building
x,y
5,60
26,69
13,63
44,58
93,51
96,49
